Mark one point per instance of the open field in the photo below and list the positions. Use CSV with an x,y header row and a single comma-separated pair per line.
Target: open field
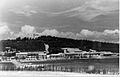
x,y
48,74
108,66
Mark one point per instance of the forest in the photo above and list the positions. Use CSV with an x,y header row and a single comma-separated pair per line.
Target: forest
x,y
55,44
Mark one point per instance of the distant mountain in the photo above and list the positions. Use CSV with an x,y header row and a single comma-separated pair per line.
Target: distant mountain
x,y
56,43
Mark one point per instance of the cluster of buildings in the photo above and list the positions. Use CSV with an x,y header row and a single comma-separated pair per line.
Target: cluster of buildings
x,y
69,53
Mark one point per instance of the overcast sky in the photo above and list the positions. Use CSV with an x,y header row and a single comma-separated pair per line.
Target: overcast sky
x,y
78,19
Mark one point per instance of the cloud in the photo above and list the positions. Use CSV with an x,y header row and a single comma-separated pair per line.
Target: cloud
x,y
26,31
5,32
30,31
88,10
106,35
116,31
68,35
25,10
52,32
91,9
106,5
86,32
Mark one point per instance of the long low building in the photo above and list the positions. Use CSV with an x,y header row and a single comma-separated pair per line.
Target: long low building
x,y
67,55
31,55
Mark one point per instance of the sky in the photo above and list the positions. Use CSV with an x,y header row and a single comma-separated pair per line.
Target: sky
x,y
77,19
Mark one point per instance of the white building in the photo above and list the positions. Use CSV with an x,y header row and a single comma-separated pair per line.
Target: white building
x,y
32,55
21,54
71,50
57,56
42,55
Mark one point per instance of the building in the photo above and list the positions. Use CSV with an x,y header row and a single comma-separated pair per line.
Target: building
x,y
42,55
4,58
57,56
21,55
31,55
71,50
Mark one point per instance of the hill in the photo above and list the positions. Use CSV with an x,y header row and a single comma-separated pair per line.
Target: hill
x,y
56,43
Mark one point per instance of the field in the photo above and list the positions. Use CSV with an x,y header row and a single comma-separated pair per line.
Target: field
x,y
48,74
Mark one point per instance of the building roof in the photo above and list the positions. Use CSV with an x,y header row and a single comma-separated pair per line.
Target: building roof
x,y
56,54
22,53
40,53
71,49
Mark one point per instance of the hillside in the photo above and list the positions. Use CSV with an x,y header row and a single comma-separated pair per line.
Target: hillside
x,y
55,43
